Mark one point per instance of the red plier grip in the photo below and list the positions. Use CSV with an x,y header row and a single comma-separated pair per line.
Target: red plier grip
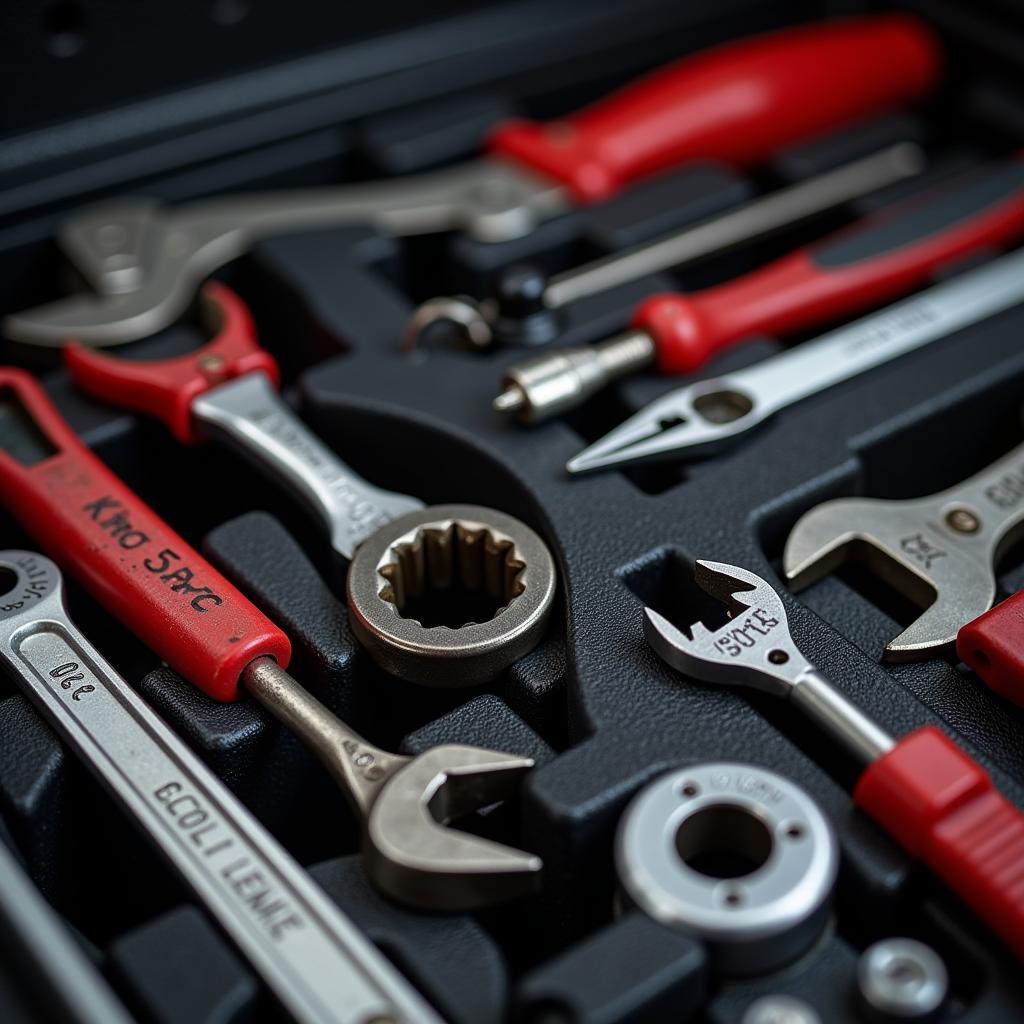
x,y
166,388
944,810
877,260
739,103
121,551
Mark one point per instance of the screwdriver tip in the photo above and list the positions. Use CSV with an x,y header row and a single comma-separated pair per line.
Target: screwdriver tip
x,y
511,399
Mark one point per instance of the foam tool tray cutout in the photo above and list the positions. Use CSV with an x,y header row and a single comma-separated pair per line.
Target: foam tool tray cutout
x,y
592,704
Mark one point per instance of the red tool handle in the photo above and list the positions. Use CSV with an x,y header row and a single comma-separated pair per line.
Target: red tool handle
x,y
878,260
166,388
993,645
943,809
121,551
739,103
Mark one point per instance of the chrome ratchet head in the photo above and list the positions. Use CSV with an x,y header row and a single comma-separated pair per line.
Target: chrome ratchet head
x,y
753,649
412,853
936,553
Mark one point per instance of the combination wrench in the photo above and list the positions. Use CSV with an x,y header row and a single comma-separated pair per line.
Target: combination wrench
x,y
704,417
398,548
739,103
162,589
313,958
928,794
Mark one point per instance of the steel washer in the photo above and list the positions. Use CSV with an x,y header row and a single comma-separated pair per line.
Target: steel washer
x,y
754,922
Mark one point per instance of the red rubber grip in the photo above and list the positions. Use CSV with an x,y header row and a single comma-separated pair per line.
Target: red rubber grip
x,y
993,645
739,103
123,553
166,388
944,810
876,261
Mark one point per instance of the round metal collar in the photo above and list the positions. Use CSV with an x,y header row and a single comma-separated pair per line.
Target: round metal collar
x,y
734,855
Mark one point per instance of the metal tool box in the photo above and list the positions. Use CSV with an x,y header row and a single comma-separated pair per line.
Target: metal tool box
x,y
179,101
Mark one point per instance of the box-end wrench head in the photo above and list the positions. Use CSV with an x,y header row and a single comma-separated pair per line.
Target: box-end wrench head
x,y
938,551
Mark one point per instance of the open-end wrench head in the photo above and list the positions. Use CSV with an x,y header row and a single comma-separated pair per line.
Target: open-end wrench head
x,y
913,548
753,649
416,857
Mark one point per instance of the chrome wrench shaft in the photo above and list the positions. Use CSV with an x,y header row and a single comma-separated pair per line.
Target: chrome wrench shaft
x,y
252,417
312,957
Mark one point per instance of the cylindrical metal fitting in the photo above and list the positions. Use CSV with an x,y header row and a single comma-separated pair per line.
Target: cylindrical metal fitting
x,y
734,855
551,384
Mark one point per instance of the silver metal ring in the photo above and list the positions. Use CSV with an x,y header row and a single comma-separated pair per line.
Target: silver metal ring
x,y
734,855
442,548
902,979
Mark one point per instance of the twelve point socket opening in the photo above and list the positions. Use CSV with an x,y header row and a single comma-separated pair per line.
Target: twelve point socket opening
x,y
452,574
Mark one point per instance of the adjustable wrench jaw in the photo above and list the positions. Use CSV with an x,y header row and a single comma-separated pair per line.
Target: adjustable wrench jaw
x,y
144,262
755,649
412,854
938,552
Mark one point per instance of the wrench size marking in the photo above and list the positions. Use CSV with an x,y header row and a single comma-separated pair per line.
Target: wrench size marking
x,y
757,624
1008,491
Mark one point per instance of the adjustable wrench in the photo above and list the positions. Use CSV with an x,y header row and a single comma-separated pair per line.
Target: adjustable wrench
x,y
705,417
309,953
930,796
162,589
398,548
939,551
739,103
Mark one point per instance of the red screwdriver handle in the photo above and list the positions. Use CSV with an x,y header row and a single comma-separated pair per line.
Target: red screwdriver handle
x,y
993,645
121,551
944,810
878,260
166,388
739,103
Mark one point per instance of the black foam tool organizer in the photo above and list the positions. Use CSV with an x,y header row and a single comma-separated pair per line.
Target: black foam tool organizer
x,y
599,712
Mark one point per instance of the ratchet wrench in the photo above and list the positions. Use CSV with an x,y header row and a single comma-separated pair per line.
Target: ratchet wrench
x,y
706,416
739,103
930,796
162,589
309,953
398,549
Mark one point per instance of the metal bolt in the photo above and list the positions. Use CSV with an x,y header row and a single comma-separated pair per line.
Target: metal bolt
x,y
902,979
778,1009
963,520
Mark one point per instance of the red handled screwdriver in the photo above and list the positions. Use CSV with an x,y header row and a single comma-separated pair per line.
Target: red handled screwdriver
x,y
883,257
